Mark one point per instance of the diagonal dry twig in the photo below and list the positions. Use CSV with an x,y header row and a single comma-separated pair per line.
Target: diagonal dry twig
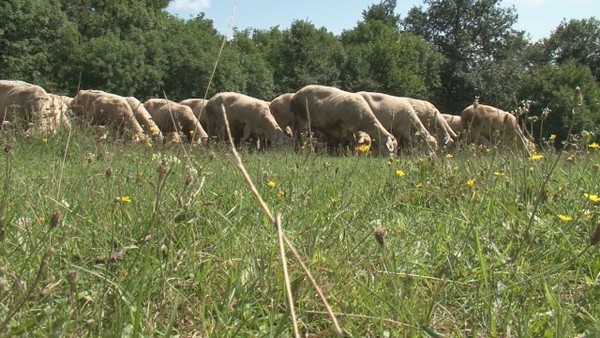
x,y
286,276
268,212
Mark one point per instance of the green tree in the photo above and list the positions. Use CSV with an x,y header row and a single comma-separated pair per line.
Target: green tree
x,y
111,64
576,40
473,36
30,38
384,11
307,55
382,59
95,18
191,48
243,69
551,86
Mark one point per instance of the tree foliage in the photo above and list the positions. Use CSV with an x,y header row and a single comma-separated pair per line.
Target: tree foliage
x,y
243,69
308,55
31,35
384,11
382,59
473,35
551,87
576,40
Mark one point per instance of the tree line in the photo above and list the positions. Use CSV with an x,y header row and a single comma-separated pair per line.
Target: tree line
x,y
446,51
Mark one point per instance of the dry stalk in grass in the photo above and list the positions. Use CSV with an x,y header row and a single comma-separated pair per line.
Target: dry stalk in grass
x,y
62,165
282,237
286,275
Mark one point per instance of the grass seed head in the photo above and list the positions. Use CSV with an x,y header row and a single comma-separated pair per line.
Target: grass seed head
x,y
73,278
162,169
545,112
577,97
54,219
380,235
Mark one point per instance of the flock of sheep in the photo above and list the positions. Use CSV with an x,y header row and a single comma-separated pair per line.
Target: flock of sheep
x,y
364,120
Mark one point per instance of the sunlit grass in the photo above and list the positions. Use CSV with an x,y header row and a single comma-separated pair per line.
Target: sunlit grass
x,y
134,240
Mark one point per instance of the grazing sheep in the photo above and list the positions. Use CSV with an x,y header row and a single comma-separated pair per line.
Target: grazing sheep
x,y
60,107
100,108
199,108
144,118
173,118
339,114
433,121
454,122
398,116
23,102
488,125
247,117
282,112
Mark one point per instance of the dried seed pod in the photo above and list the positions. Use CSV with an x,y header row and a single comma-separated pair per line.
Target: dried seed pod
x,y
54,219
380,235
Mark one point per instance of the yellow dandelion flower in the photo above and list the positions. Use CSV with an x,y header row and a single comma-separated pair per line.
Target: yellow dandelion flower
x,y
362,149
191,132
152,129
594,145
536,157
499,173
400,173
552,137
565,218
470,183
123,199
593,198
271,184
280,193
449,156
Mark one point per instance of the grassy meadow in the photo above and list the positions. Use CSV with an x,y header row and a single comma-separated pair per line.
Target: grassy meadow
x,y
116,239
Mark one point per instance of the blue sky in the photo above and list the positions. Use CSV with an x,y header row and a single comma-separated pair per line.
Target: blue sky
x,y
537,17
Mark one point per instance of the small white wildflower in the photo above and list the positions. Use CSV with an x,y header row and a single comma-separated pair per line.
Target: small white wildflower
x,y
173,160
65,203
191,170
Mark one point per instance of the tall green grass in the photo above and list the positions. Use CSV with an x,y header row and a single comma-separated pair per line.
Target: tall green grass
x,y
131,240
